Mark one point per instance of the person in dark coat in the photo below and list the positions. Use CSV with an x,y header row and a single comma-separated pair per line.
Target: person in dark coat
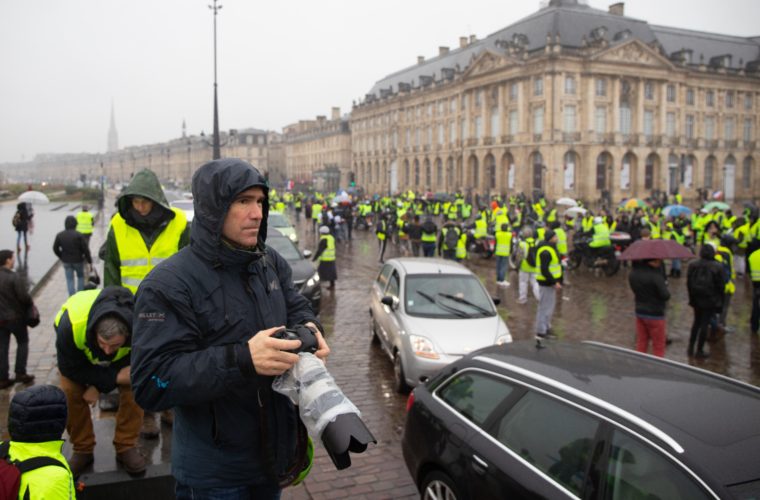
x,y
14,302
326,255
651,292
71,247
705,285
22,224
203,344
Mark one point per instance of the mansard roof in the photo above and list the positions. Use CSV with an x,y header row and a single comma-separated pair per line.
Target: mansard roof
x,y
576,25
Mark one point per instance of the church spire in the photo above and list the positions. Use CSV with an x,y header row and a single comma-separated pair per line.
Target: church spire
x,y
113,136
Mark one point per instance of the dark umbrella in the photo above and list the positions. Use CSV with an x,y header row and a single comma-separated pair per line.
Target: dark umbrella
x,y
656,249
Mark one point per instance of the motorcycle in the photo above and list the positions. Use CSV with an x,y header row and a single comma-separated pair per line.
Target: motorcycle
x,y
484,247
583,254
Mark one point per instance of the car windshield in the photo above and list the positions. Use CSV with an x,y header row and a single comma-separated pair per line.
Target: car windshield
x,y
277,220
446,296
285,248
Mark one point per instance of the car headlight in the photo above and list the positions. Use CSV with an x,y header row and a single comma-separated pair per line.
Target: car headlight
x,y
422,347
293,237
503,338
313,281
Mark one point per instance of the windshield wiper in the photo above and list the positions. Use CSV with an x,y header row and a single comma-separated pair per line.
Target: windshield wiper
x,y
453,310
426,295
466,302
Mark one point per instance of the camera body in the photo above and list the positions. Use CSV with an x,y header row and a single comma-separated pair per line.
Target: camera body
x,y
304,334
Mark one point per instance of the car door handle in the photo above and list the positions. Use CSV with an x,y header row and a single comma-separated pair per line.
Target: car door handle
x,y
479,465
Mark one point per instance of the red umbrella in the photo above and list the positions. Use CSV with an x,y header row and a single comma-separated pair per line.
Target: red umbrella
x,y
656,249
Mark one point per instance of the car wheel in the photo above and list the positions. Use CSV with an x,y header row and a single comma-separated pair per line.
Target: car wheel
x,y
439,486
398,373
373,331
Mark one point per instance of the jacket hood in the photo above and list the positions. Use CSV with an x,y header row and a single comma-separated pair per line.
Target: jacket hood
x,y
37,414
113,300
215,186
70,222
144,184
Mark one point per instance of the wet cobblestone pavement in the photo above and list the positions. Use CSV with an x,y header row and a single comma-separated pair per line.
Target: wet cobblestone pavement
x,y
590,308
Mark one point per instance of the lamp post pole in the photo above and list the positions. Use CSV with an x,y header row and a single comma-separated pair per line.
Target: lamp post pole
x,y
216,147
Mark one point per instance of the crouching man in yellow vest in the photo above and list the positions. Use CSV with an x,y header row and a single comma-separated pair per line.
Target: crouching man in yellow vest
x,y
93,345
144,232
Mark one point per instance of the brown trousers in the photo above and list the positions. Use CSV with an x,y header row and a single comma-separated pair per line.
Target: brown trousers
x,y
79,425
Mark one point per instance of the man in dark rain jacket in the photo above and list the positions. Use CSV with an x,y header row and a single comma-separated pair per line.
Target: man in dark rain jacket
x,y
145,231
203,344
93,346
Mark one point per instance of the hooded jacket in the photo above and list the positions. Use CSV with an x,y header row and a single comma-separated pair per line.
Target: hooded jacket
x,y
73,362
195,313
146,185
70,245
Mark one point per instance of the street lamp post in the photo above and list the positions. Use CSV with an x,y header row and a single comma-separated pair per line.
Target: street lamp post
x,y
217,154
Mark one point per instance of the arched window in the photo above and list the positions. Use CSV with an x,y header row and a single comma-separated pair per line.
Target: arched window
x,y
626,170
603,163
649,170
449,174
747,172
407,173
416,173
489,164
508,170
438,173
474,169
709,172
538,170
428,175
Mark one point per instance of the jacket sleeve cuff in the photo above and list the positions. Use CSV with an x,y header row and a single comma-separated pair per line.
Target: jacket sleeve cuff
x,y
242,357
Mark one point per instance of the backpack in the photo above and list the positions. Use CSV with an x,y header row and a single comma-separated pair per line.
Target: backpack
x,y
701,283
11,471
452,238
531,257
16,220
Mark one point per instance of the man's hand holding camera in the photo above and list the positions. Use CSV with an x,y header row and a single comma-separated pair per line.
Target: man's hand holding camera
x,y
271,356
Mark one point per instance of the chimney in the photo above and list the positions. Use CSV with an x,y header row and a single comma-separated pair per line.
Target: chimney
x,y
335,113
473,39
442,51
420,59
462,42
617,9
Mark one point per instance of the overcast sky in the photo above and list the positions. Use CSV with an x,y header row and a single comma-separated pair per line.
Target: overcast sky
x,y
62,63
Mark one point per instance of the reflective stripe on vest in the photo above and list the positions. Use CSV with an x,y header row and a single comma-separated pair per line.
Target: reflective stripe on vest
x,y
84,222
428,237
78,306
481,228
461,250
601,236
503,244
329,254
561,240
555,269
136,260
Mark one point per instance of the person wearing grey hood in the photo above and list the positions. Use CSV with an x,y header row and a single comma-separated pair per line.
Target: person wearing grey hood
x,y
205,345
144,232
71,247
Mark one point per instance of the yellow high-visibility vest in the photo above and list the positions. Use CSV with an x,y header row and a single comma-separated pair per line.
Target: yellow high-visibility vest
x,y
329,253
136,260
84,222
555,268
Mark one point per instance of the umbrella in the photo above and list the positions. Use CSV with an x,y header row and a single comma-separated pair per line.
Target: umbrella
x,y
573,211
567,202
676,210
656,249
716,204
717,195
34,197
632,203
342,198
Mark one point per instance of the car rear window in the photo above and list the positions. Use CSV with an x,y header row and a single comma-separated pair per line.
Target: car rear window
x,y
475,395
277,220
285,248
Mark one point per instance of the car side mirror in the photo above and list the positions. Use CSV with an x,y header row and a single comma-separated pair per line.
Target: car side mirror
x,y
496,300
306,254
390,301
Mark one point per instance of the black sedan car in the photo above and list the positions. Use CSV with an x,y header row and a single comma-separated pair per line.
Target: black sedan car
x,y
305,277
581,420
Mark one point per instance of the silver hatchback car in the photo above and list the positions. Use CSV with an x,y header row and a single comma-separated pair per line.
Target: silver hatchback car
x,y
427,313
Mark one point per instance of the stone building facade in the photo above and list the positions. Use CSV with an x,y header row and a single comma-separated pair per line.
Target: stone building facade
x,y
571,101
318,152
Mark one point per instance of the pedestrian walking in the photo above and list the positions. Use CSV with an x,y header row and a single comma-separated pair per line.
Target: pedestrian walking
x,y
36,421
381,231
705,284
502,252
326,255
93,330
549,278
14,303
428,237
754,273
85,222
526,274
71,247
212,356
414,230
145,231
22,223
651,296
